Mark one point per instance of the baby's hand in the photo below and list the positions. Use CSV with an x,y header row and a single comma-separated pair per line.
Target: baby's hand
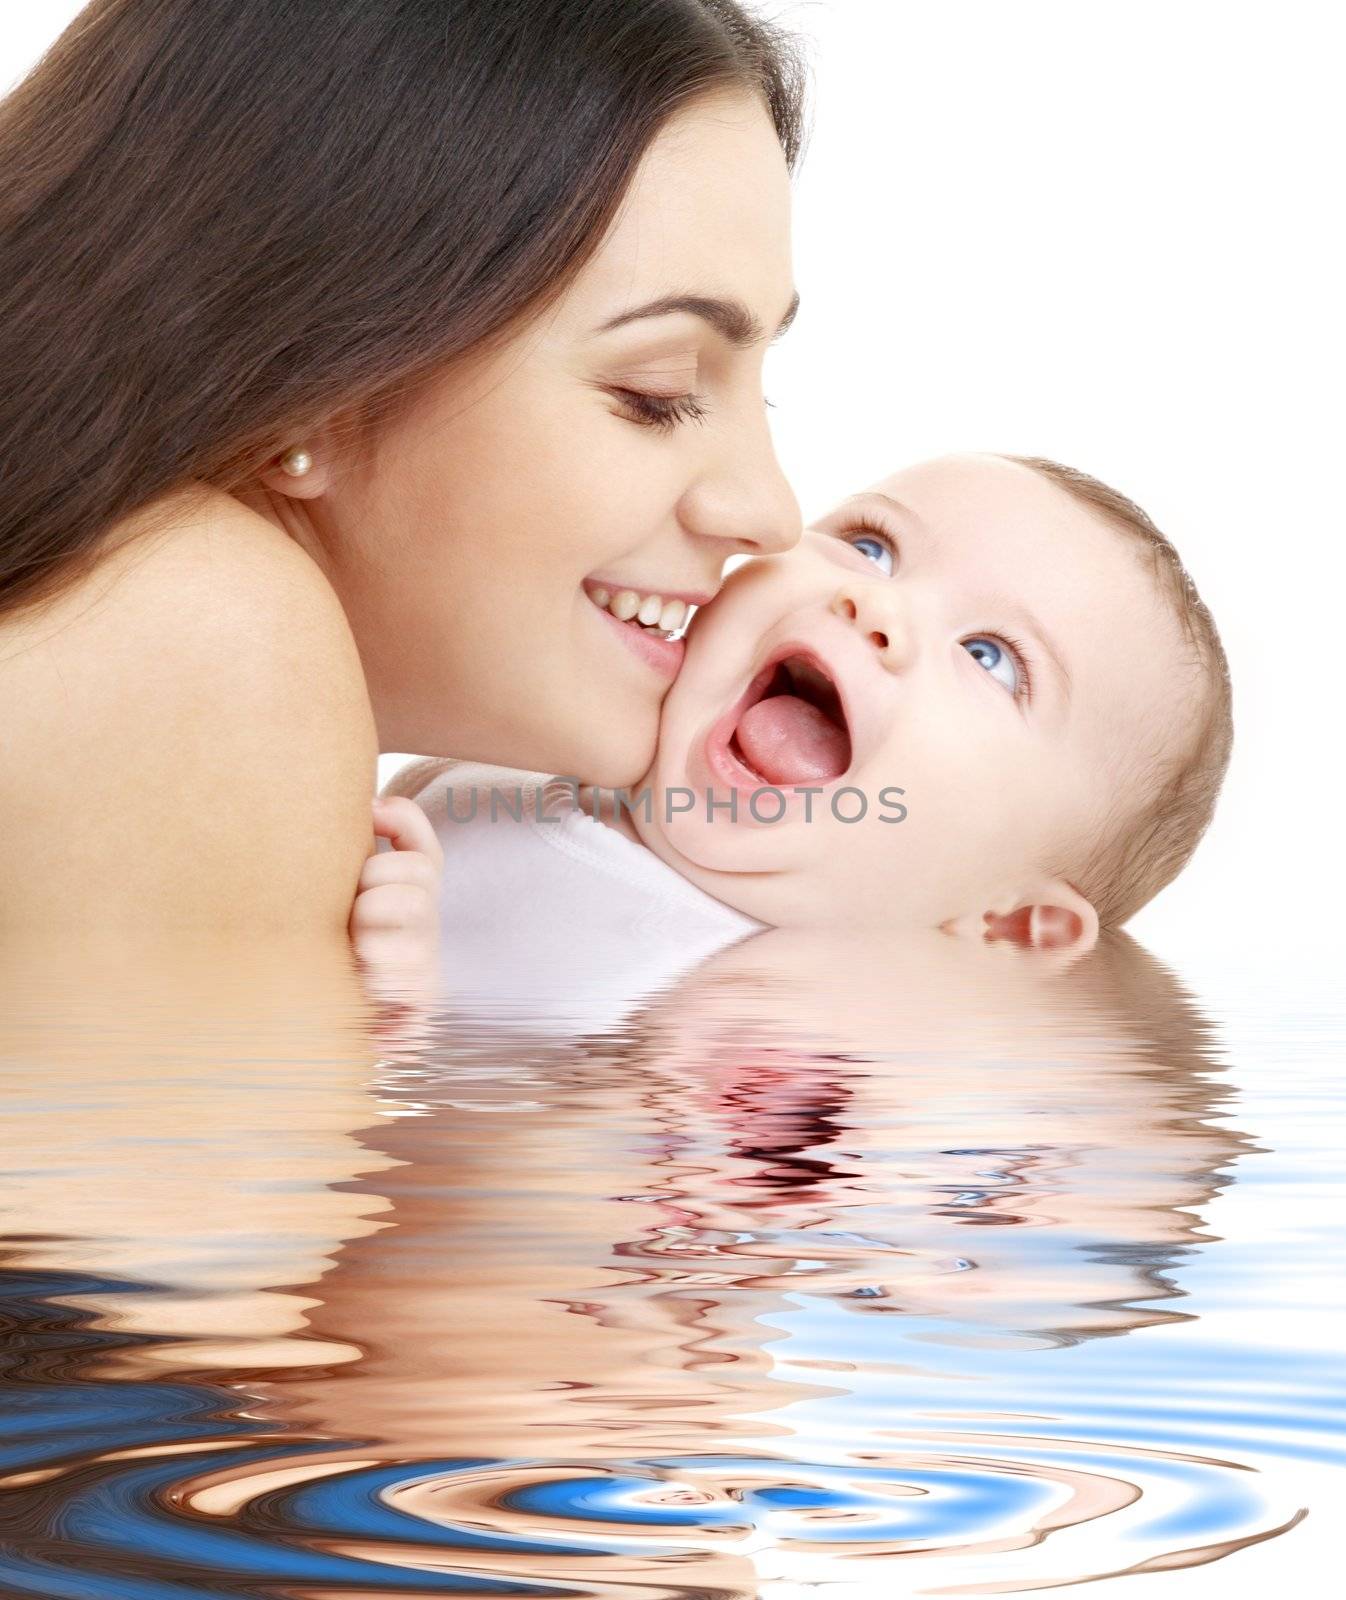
x,y
394,923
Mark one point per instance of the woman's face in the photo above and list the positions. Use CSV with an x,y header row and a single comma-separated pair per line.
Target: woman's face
x,y
619,442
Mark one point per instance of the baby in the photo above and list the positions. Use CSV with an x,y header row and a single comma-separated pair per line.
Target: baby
x,y
981,697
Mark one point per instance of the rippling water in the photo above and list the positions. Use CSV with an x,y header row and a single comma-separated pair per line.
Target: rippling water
x,y
861,1271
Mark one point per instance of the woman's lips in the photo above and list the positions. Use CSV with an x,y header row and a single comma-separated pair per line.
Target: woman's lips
x,y
664,655
645,639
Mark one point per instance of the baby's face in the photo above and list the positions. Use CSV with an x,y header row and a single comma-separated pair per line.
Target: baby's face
x,y
964,632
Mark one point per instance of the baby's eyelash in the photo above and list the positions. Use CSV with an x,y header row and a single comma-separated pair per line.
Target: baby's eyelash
x,y
1024,691
864,528
663,412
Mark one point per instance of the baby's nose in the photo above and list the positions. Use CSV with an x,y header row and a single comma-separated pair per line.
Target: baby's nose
x,y
878,620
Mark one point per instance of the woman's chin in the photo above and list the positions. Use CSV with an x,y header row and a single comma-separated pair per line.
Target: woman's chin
x,y
612,763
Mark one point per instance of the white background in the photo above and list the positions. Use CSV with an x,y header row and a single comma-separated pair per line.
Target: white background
x,y
1108,233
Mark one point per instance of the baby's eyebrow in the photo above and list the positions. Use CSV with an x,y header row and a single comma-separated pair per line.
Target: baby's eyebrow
x,y
1054,656
855,503
893,504
888,501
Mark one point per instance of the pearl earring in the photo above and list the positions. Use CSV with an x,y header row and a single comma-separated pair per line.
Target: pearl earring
x,y
296,462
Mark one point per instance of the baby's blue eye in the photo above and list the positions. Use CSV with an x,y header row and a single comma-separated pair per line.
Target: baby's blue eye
x,y
990,654
874,549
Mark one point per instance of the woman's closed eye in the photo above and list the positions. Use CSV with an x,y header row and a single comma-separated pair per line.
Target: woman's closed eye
x,y
661,411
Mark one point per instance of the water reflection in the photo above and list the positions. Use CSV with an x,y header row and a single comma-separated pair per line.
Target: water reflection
x,y
182,1128
1027,1148
818,1264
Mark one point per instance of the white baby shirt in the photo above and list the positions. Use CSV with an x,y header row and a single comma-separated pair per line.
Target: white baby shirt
x,y
558,920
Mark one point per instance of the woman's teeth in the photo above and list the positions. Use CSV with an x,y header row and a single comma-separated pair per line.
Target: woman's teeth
x,y
651,611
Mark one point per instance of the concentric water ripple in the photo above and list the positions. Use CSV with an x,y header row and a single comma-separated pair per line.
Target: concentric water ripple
x,y
213,1520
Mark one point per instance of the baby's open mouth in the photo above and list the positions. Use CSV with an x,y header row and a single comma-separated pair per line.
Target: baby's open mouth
x,y
794,730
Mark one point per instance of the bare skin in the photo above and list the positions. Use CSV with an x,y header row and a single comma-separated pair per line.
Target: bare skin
x,y
151,715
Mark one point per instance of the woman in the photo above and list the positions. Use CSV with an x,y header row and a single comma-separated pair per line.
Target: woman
x,y
354,352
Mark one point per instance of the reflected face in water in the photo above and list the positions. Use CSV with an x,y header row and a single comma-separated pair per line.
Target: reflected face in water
x,y
1022,1139
965,1139
775,1275
965,632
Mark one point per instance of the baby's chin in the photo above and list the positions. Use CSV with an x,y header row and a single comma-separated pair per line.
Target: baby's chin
x,y
745,870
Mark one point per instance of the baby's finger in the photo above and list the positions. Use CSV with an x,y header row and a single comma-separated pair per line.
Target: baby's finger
x,y
404,823
394,907
400,866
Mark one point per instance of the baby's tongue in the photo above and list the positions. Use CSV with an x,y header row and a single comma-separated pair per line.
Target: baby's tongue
x,y
788,740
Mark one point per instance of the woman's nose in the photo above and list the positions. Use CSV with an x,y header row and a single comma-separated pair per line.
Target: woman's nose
x,y
872,607
745,503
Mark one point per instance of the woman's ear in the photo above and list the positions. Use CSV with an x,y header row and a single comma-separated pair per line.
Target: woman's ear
x,y
303,469
1054,915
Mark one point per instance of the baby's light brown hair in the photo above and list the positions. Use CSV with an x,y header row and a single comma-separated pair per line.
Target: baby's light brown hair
x,y
1148,841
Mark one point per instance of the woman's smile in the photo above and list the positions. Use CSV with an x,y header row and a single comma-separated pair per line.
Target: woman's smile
x,y
648,644
650,623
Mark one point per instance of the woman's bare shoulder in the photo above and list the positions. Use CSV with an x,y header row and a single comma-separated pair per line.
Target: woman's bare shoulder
x,y
186,737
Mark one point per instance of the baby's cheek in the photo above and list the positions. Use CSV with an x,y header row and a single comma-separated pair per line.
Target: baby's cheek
x,y
762,589
888,872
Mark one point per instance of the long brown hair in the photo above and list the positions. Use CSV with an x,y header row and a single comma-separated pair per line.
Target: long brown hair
x,y
225,221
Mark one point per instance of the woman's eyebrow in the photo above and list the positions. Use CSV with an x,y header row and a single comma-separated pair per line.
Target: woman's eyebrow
x,y
731,319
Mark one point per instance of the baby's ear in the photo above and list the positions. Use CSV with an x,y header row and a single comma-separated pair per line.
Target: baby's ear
x,y
1053,915
1048,915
